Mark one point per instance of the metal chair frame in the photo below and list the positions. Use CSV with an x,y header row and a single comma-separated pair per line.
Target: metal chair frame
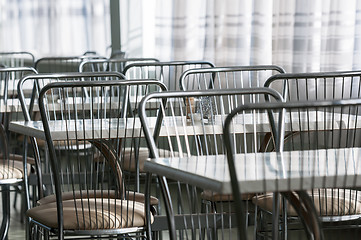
x,y
212,78
171,78
152,137
12,74
318,86
54,158
112,64
65,64
29,114
283,108
16,59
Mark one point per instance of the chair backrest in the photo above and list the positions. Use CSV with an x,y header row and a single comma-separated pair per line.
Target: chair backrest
x,y
113,64
10,106
189,124
17,59
11,167
227,77
317,86
86,154
197,112
335,124
166,72
29,104
62,64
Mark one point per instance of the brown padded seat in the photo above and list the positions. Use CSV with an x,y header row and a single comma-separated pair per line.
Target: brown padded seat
x,y
328,202
129,158
92,214
218,197
138,197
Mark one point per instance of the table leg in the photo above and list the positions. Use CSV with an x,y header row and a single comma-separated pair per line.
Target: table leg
x,y
168,207
275,215
305,209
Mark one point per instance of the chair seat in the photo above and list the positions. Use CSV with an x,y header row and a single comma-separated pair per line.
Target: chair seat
x,y
10,172
92,214
128,158
218,197
18,157
58,144
328,202
13,168
135,196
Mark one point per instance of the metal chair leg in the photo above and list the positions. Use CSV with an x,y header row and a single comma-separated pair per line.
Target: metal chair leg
x,y
4,230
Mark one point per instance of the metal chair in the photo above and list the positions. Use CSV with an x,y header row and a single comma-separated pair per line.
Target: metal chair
x,y
112,64
17,59
317,87
189,124
14,161
62,64
227,77
325,173
166,72
30,109
89,193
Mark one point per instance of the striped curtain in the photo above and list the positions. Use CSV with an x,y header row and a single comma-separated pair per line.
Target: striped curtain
x,y
299,35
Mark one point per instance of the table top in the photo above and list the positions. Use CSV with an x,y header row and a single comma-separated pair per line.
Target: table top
x,y
266,172
174,126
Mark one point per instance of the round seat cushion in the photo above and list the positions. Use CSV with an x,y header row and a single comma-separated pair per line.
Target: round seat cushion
x,y
328,202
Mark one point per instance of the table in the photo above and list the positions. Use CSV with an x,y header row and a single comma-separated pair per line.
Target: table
x,y
113,128
266,172
173,126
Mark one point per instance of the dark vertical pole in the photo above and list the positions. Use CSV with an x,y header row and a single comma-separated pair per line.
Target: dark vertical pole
x,y
115,25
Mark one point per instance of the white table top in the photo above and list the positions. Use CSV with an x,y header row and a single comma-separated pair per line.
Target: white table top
x,y
173,126
266,172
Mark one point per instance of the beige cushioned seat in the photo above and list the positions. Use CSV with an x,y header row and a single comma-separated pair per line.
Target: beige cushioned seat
x,y
218,197
13,168
138,197
328,202
10,172
17,157
128,158
58,144
91,214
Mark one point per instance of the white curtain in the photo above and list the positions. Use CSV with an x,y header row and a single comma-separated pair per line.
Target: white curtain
x,y
55,27
299,35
